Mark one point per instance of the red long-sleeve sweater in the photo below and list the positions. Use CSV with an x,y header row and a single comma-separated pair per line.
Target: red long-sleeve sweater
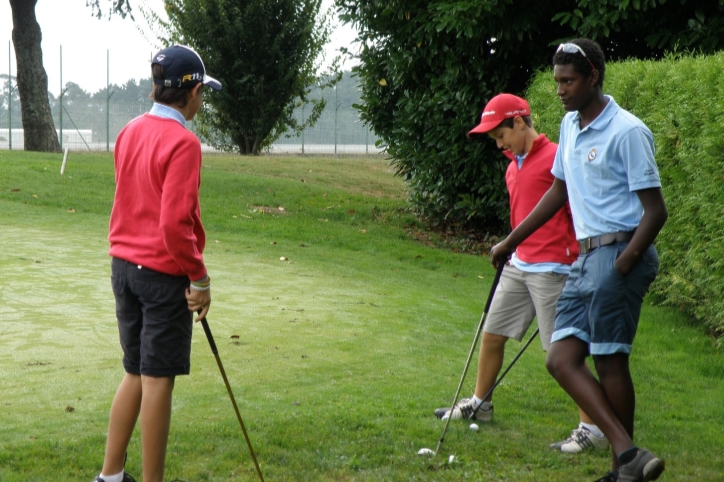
x,y
555,241
156,219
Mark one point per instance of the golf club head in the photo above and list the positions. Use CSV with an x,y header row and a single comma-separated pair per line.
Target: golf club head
x,y
440,412
425,451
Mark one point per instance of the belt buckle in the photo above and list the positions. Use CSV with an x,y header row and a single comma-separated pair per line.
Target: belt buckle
x,y
586,245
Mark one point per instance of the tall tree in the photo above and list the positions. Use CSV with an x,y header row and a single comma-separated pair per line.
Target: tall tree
x,y
266,53
32,81
428,68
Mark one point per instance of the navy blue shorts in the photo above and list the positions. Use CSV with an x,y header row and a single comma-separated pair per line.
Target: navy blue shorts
x,y
598,305
154,321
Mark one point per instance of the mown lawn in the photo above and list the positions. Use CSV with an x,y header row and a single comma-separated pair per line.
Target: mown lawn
x,y
344,347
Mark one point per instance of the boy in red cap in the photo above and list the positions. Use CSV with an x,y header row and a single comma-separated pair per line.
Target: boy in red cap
x,y
531,283
158,274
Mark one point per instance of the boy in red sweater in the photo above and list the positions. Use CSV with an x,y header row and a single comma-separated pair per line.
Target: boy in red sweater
x,y
158,274
530,285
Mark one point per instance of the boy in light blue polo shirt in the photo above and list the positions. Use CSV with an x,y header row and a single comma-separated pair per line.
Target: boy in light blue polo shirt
x,y
605,168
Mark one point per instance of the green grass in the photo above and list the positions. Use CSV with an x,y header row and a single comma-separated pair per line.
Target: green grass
x,y
344,349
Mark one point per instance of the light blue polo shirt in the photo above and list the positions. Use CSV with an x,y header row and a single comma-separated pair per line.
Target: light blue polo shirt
x,y
161,110
603,165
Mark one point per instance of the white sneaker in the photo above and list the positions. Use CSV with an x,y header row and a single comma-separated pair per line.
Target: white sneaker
x,y
465,407
581,439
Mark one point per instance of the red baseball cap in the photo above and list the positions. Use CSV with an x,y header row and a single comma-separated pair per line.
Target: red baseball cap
x,y
500,107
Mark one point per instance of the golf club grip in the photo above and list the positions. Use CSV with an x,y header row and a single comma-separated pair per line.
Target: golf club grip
x,y
493,286
209,336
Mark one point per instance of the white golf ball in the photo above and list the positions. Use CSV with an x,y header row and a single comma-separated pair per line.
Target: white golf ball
x,y
474,427
451,459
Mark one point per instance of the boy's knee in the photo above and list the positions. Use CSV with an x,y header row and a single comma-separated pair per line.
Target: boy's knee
x,y
553,363
566,356
494,342
612,366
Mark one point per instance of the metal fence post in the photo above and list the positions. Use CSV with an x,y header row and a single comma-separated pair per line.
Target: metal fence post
x,y
336,109
60,103
10,99
108,100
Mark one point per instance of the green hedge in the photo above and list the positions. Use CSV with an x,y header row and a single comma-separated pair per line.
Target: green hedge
x,y
681,99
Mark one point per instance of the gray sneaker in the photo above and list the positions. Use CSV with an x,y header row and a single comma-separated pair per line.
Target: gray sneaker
x,y
464,408
644,468
581,439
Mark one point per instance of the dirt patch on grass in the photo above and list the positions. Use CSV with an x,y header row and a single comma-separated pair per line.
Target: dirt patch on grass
x,y
269,210
455,239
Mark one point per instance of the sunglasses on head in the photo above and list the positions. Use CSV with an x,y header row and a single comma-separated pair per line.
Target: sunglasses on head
x,y
571,48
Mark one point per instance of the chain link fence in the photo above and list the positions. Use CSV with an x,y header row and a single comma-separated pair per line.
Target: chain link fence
x,y
93,121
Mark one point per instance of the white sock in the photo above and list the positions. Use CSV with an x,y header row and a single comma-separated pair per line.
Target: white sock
x,y
485,406
593,429
113,478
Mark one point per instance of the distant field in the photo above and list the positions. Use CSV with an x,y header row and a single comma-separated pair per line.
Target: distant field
x,y
344,348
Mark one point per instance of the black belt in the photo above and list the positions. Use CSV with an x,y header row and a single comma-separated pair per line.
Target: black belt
x,y
589,244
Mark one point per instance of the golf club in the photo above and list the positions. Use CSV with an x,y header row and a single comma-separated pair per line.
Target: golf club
x,y
500,379
215,351
498,272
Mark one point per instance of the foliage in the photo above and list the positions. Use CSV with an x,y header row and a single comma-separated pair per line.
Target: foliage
x,y
428,68
681,99
116,7
265,53
647,28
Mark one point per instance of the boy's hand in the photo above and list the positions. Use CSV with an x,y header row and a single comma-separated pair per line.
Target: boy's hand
x,y
199,302
500,253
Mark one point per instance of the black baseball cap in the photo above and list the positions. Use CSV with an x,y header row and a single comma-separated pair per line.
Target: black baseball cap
x,y
182,68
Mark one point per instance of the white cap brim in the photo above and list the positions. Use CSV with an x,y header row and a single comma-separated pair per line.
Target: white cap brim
x,y
212,82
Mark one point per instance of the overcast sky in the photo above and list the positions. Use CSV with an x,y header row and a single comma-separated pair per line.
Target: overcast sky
x,y
86,40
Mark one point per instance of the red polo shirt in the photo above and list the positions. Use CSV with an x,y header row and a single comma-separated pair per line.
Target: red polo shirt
x,y
555,241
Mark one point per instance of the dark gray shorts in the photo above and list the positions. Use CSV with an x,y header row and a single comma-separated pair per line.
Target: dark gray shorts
x,y
154,321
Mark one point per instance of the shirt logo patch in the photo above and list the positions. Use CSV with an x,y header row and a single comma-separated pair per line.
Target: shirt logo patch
x,y
592,155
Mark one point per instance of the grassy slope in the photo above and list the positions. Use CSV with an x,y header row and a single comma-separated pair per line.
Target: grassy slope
x,y
344,349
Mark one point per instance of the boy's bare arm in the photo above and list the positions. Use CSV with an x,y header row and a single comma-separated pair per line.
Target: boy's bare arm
x,y
655,215
551,202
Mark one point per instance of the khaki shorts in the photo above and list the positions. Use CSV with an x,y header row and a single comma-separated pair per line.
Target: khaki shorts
x,y
520,297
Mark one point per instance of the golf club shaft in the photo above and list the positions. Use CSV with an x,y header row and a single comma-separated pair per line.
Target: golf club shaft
x,y
215,351
498,272
500,379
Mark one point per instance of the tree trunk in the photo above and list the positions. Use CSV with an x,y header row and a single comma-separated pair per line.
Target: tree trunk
x,y
39,131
